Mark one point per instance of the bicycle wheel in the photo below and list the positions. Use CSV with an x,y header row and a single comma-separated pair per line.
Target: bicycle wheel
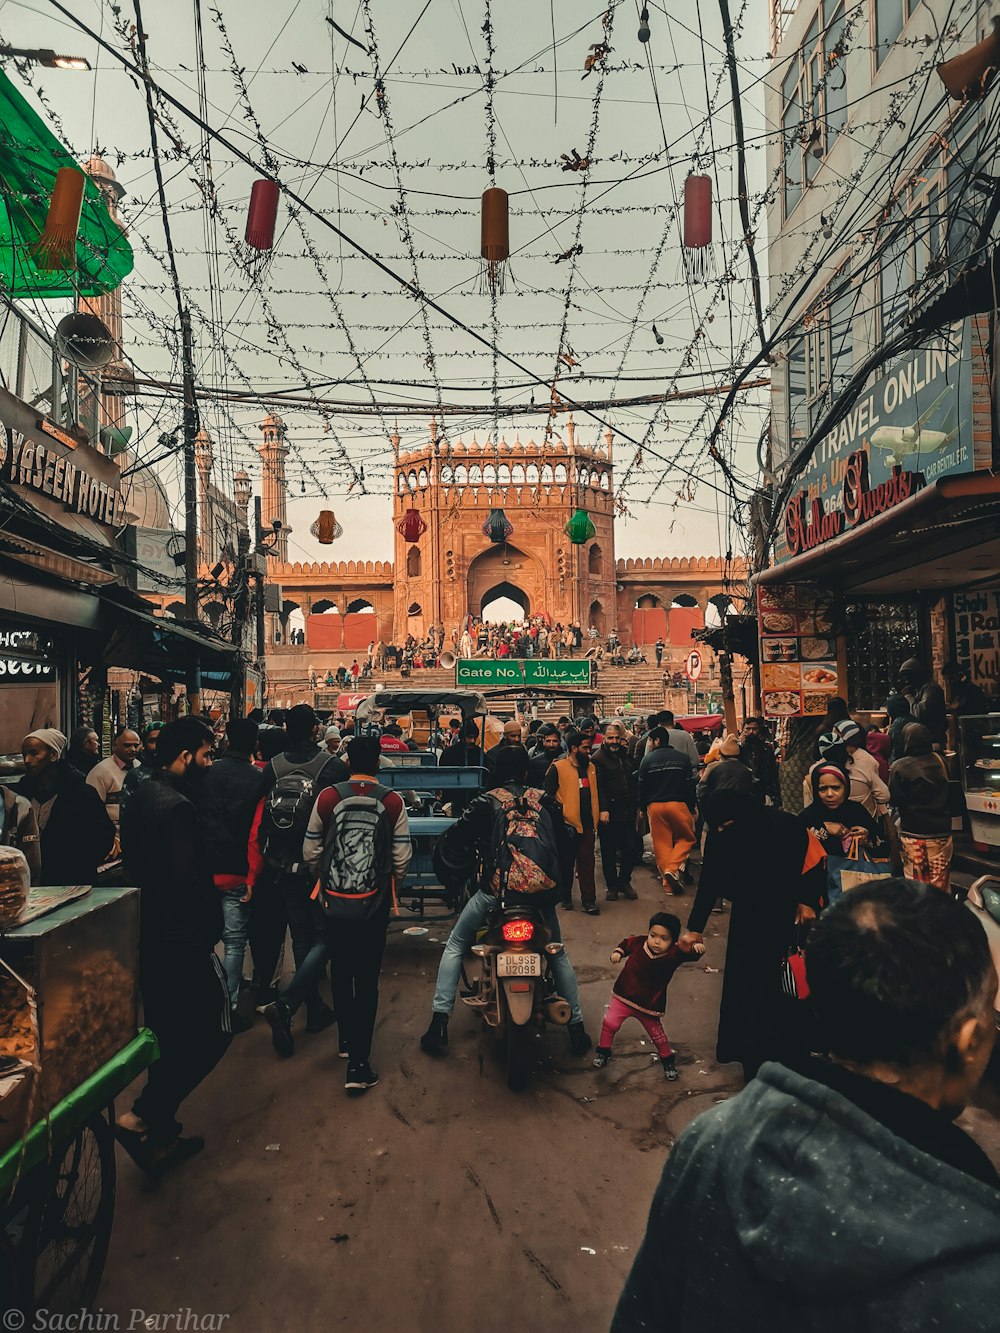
x,y
69,1222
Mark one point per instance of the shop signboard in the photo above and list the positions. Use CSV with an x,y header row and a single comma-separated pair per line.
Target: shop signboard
x,y
25,655
977,636
908,429
154,549
568,673
798,650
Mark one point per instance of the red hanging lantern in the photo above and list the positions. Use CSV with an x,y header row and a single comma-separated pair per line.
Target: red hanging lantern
x,y
967,75
411,527
697,248
495,240
326,529
498,527
56,247
261,218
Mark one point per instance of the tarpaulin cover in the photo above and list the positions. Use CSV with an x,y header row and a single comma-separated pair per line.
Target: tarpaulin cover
x,y
67,1116
30,156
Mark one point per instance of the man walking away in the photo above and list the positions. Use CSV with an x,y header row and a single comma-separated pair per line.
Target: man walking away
x,y
228,797
666,792
292,781
573,782
184,996
358,841
840,1195
619,801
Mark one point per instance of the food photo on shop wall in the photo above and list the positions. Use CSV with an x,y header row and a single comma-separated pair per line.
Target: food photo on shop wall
x,y
500,536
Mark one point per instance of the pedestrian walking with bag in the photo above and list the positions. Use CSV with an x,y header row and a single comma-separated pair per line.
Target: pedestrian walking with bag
x,y
918,788
358,847
854,841
771,868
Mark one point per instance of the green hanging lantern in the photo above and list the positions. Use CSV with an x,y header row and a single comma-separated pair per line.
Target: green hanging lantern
x,y
580,528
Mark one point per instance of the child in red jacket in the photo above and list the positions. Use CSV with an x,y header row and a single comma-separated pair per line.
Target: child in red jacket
x,y
641,989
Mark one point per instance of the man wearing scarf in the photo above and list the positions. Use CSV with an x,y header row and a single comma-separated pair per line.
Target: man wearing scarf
x,y
75,833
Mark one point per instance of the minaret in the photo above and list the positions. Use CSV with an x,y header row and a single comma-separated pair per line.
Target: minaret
x,y
203,460
108,308
273,451
243,490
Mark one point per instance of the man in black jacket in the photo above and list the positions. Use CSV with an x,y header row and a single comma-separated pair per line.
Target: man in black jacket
x,y
227,802
283,881
840,1195
75,833
548,749
184,996
616,792
462,851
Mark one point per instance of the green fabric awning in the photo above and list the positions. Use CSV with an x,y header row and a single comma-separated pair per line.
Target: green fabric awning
x,y
30,156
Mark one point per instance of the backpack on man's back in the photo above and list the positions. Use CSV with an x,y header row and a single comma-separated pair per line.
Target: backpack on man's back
x,y
287,809
524,851
355,874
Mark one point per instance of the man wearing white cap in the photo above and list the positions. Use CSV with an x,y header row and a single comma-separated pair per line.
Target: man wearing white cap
x,y
74,829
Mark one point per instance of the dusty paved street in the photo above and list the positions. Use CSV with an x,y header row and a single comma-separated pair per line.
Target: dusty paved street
x,y
440,1200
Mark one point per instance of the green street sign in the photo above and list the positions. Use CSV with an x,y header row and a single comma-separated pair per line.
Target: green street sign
x,y
569,673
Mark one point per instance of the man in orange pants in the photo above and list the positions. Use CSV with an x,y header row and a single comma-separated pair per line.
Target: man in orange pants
x,y
667,791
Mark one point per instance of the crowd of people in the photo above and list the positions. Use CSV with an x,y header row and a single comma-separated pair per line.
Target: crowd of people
x,y
288,830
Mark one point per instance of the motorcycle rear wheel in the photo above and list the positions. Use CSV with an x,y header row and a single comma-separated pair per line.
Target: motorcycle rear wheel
x,y
519,1054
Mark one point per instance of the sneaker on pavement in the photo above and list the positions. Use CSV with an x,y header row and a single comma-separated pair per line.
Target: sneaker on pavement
x,y
360,1078
320,1019
672,883
567,905
238,1024
435,1039
591,909
628,892
579,1039
601,1057
611,896
669,1068
279,1016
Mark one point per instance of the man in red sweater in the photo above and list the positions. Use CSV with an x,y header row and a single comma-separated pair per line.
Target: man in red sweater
x,y
641,989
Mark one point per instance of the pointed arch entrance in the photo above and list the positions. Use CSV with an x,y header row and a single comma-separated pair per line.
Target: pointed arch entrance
x,y
506,571
504,602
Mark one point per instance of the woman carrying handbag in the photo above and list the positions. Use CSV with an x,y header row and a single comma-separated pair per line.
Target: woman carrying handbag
x,y
853,840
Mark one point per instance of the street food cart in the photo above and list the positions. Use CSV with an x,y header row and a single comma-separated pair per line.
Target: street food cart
x,y
70,1042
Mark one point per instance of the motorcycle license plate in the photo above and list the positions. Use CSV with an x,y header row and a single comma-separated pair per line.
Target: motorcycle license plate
x,y
519,965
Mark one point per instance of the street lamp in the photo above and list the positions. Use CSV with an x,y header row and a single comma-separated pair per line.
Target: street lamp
x,y
42,56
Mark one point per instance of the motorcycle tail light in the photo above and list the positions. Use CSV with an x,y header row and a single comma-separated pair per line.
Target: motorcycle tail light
x,y
518,932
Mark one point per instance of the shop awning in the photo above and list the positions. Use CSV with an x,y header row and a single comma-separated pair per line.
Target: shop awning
x,y
163,648
945,536
30,156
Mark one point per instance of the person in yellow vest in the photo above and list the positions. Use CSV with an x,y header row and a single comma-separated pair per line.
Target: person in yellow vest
x,y
572,780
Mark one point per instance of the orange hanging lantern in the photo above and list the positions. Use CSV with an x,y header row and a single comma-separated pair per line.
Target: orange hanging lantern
x,y
411,527
261,218
56,247
495,246
326,529
697,248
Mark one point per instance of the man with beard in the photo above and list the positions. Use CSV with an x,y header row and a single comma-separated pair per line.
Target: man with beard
x,y
547,750
619,800
184,995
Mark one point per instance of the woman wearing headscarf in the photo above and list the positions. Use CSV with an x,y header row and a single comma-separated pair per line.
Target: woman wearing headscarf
x,y
918,788
75,832
833,817
772,870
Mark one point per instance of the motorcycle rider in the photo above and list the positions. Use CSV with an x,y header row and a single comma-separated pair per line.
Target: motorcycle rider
x,y
458,855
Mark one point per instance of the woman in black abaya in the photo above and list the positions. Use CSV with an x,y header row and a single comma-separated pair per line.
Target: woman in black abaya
x,y
771,868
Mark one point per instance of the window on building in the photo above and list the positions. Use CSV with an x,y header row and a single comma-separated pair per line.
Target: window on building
x,y
890,19
821,362
813,100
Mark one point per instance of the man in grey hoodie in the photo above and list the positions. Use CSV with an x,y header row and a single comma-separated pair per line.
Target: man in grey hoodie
x,y
840,1196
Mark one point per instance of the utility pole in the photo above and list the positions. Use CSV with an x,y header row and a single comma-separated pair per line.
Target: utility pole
x,y
258,553
190,501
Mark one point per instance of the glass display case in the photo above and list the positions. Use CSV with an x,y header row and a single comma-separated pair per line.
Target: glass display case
x,y
980,751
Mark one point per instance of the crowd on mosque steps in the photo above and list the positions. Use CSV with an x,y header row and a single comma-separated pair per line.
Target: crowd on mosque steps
x,y
878,1062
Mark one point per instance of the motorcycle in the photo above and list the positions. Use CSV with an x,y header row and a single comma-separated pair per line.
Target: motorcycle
x,y
514,992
